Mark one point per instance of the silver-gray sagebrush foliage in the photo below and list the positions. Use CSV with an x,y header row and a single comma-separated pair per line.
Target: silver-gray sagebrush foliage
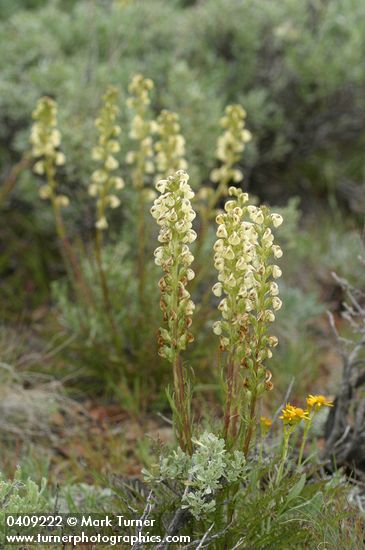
x,y
202,475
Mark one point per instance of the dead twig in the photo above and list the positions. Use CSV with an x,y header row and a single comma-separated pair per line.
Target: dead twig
x,y
345,432
180,518
145,515
199,544
9,183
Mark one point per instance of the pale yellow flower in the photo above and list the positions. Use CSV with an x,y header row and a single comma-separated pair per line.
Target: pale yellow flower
x,y
243,253
103,182
142,128
230,146
45,138
174,214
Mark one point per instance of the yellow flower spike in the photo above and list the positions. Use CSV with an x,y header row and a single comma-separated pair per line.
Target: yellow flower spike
x,y
230,146
244,252
142,128
318,401
141,158
104,182
174,213
104,186
46,139
170,147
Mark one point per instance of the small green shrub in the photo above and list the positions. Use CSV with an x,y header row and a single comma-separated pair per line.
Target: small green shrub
x,y
129,357
20,496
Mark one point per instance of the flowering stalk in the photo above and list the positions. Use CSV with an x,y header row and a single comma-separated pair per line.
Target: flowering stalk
x,y
291,417
230,146
104,183
170,147
243,258
45,139
314,404
284,453
265,425
174,214
141,159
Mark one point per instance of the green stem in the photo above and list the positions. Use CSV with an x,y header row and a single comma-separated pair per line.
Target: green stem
x,y
231,508
182,403
229,400
141,248
251,422
182,406
104,285
259,333
261,448
304,440
284,455
253,401
69,257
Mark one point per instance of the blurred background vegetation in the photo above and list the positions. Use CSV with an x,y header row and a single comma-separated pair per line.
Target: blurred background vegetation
x,y
296,67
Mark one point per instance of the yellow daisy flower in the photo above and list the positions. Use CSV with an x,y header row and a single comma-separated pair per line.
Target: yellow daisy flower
x,y
265,422
293,415
318,401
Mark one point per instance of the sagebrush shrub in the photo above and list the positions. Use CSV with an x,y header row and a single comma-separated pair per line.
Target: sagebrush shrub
x,y
19,496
